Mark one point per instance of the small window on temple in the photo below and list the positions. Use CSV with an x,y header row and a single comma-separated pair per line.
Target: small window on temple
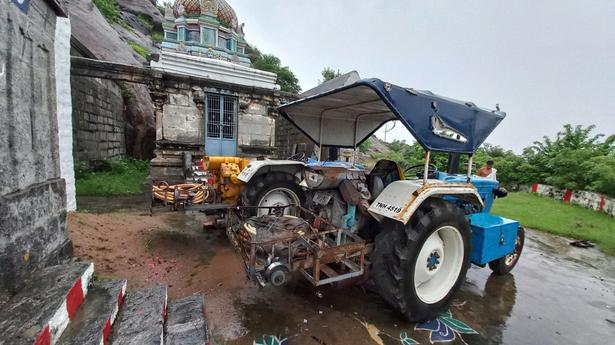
x,y
241,50
193,36
181,34
171,36
223,42
209,37
233,45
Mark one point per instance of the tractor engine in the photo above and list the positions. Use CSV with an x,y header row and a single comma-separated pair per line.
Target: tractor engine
x,y
220,174
339,194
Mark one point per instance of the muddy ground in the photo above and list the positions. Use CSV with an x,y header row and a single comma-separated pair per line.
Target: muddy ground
x,y
558,294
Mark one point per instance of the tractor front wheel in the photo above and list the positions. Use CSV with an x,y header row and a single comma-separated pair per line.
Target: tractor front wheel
x,y
418,268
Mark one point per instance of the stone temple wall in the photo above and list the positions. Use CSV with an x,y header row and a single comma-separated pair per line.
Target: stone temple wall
x,y
32,193
288,138
182,120
180,123
98,119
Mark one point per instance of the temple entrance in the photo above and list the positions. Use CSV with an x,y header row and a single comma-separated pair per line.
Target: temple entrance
x,y
220,125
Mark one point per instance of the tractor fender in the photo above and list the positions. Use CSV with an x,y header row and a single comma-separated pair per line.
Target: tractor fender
x,y
259,167
401,199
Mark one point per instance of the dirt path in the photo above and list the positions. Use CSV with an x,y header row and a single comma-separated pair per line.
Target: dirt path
x,y
557,295
173,249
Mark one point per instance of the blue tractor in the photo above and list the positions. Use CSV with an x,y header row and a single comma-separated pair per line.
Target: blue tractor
x,y
422,227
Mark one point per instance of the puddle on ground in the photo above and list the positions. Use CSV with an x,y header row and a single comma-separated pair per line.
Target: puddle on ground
x,y
183,232
549,299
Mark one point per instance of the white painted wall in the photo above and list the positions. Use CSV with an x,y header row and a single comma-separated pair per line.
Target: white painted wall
x,y
594,201
213,69
64,109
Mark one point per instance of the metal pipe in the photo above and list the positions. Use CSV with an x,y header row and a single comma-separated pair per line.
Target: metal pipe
x,y
426,169
354,140
469,175
322,122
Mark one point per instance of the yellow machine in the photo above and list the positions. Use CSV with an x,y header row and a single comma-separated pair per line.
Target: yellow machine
x,y
214,180
227,169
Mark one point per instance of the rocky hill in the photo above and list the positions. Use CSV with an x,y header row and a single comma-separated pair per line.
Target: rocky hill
x,y
121,31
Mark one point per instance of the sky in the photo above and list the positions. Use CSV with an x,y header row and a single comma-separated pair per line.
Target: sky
x,y
545,62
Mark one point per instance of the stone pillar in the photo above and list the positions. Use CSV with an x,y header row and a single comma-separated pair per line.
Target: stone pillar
x,y
32,194
159,98
64,109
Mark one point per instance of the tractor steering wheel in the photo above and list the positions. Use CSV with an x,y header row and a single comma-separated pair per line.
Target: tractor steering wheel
x,y
299,156
432,171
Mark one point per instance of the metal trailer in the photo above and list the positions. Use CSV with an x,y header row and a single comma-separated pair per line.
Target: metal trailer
x,y
322,252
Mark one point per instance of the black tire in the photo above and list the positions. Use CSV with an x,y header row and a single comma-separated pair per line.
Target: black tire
x,y
257,188
396,253
279,276
500,266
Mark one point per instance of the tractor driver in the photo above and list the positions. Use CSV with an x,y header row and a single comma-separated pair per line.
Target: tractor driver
x,y
487,171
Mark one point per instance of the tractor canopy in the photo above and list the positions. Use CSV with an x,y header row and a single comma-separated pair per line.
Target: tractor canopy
x,y
346,116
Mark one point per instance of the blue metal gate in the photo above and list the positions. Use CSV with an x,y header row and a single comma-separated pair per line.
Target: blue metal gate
x,y
220,125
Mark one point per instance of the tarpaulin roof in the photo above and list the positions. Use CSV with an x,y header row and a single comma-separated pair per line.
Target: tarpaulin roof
x,y
347,116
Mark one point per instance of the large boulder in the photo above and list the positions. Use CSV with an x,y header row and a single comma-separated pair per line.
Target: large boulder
x,y
143,8
93,31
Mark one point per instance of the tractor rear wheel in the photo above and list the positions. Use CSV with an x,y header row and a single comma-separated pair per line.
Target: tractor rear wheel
x,y
504,265
273,189
418,267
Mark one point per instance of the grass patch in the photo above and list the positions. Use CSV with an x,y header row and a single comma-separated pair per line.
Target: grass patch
x,y
542,213
111,11
157,37
120,177
139,49
146,21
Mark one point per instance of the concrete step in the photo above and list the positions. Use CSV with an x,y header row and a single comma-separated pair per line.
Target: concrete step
x,y
141,320
93,321
40,312
186,322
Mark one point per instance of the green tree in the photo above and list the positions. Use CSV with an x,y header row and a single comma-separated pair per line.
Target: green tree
x,y
601,174
557,161
268,62
409,155
364,146
575,158
329,73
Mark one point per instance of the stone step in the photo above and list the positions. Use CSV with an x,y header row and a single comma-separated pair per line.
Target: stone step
x,y
186,322
141,320
47,303
93,321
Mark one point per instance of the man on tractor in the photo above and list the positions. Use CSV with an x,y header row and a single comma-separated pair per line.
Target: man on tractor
x,y
488,171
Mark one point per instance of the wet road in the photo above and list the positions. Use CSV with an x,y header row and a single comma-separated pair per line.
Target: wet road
x,y
557,294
